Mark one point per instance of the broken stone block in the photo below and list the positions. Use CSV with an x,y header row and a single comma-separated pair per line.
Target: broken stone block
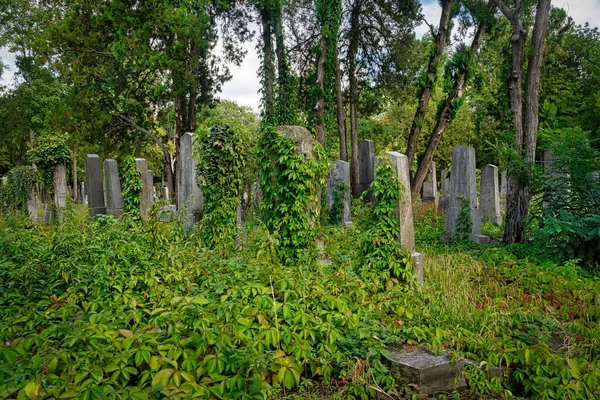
x,y
429,373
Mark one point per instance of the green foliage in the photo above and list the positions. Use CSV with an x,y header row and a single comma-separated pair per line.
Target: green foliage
x,y
50,151
290,183
20,183
131,186
383,257
219,172
568,209
339,193
464,225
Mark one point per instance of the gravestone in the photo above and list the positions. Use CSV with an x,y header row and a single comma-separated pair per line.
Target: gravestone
x,y
165,193
32,207
366,167
60,188
404,211
151,185
429,192
503,189
112,185
167,213
46,215
490,199
338,189
189,195
145,194
94,188
444,192
463,189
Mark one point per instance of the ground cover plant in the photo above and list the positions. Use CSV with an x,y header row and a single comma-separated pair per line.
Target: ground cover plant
x,y
119,309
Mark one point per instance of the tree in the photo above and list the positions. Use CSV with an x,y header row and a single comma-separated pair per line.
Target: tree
x,y
524,111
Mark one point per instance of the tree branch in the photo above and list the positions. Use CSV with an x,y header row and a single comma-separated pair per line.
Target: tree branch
x,y
505,9
152,136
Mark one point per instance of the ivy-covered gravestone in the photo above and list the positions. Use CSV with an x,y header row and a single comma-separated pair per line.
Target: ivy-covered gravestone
x,y
338,193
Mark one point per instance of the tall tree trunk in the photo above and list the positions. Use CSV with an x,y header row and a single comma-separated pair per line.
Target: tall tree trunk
x,y
341,112
352,53
283,74
525,126
268,68
425,95
444,118
180,110
320,106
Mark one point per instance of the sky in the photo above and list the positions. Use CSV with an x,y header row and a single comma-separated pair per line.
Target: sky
x,y
244,87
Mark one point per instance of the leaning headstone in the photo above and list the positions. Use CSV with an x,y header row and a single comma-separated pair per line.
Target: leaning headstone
x,y
60,188
94,187
463,195
490,199
145,194
404,211
112,185
429,192
189,195
503,189
366,167
338,189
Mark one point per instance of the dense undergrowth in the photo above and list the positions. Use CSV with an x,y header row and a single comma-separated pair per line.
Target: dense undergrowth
x,y
107,309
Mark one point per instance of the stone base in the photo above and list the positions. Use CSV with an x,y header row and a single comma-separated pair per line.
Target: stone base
x,y
115,213
430,373
481,239
97,211
494,219
417,259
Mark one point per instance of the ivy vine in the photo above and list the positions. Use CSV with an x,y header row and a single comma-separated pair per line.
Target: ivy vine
x,y
50,151
464,225
383,258
290,183
131,187
220,173
17,192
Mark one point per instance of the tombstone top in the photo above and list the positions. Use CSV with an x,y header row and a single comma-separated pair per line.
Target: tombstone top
x,y
301,136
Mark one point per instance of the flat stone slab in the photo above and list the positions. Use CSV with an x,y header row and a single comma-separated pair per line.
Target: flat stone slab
x,y
429,373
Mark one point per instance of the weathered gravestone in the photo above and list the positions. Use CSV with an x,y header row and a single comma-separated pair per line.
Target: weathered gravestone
x,y
366,167
463,196
338,190
165,193
429,192
189,195
503,189
444,192
60,189
145,194
404,211
46,215
490,199
32,207
151,185
112,186
94,188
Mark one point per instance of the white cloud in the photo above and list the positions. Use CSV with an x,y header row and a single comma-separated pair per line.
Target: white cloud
x,y
432,12
581,11
8,59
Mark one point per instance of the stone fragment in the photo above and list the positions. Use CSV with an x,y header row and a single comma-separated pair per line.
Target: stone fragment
x,y
112,185
366,167
463,194
189,195
429,373
490,198
338,189
94,187
429,192
167,213
145,194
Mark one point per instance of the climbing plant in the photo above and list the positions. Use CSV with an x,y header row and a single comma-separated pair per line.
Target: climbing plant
x,y
219,172
290,183
50,151
19,187
463,223
383,258
131,187
339,194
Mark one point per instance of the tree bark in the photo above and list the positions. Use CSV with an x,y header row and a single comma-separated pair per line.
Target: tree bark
x,y
180,106
352,52
431,76
444,118
341,112
282,69
320,106
525,124
268,68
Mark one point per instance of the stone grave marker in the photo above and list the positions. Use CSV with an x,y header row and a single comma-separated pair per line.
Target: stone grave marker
x,y
94,187
60,189
490,198
338,189
503,189
189,193
112,185
366,167
429,192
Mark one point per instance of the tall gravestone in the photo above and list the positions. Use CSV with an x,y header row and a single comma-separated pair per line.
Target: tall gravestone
x,y
490,198
145,194
189,195
503,189
338,189
60,188
444,199
151,185
429,192
94,187
112,186
463,194
404,211
366,166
